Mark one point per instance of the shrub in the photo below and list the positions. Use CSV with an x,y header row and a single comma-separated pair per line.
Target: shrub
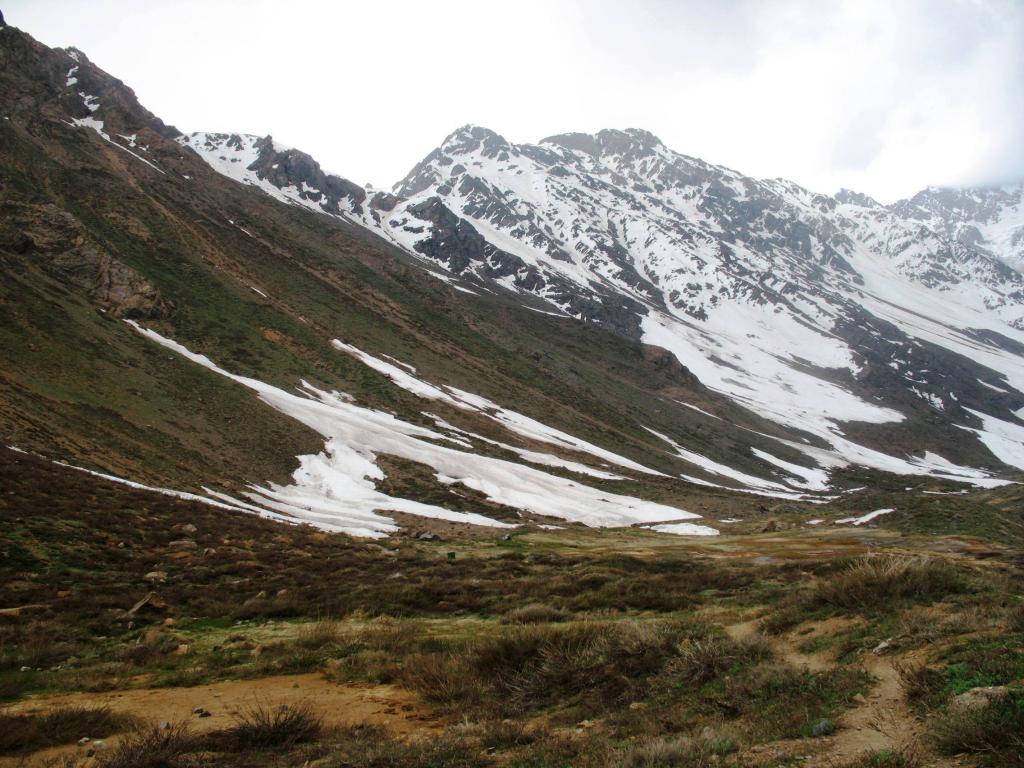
x,y
262,727
703,659
152,748
534,613
995,729
877,580
665,752
24,733
319,633
923,687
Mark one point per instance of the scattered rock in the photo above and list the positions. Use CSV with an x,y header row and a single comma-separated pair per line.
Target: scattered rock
x,y
99,744
979,698
164,725
200,712
83,741
189,528
824,727
882,646
183,650
859,699
169,622
155,576
708,733
429,536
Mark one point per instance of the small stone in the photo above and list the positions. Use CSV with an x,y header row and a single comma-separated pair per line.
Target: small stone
x,y
824,727
200,712
429,536
99,744
164,725
169,622
859,699
707,733
83,741
155,576
189,528
183,650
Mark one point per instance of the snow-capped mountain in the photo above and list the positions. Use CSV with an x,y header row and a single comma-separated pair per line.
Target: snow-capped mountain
x,y
591,328
990,220
814,311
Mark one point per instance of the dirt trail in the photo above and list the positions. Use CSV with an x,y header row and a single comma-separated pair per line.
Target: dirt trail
x,y
337,704
881,721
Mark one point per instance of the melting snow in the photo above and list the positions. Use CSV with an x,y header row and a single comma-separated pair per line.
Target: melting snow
x,y
866,518
335,488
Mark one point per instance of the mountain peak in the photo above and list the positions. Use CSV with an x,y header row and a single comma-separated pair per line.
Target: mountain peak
x,y
469,138
610,141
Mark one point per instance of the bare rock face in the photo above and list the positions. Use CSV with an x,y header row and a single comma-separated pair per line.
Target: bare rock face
x,y
55,240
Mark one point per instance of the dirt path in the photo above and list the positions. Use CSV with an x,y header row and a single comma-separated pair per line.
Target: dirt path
x,y
880,721
337,704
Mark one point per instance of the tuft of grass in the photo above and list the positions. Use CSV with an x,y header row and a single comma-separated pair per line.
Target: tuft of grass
x,y
152,748
28,733
534,613
702,659
665,752
528,667
319,633
923,687
262,727
879,579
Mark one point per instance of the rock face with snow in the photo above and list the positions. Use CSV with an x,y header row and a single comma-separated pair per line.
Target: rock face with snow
x,y
990,220
809,309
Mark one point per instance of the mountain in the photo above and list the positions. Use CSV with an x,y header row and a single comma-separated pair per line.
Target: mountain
x,y
990,220
591,329
812,310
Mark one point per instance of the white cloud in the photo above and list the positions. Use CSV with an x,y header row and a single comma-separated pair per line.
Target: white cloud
x,y
878,96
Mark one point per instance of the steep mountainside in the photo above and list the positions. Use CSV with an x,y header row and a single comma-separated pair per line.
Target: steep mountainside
x,y
592,329
811,310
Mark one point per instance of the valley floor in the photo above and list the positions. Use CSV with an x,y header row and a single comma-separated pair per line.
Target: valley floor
x,y
145,630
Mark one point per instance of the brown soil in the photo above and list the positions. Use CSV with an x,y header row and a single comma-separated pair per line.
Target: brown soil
x,y
338,705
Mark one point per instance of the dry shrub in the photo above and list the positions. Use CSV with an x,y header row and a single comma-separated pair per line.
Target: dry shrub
x,y
877,580
535,613
261,727
153,748
25,733
923,687
703,659
319,633
665,752
996,730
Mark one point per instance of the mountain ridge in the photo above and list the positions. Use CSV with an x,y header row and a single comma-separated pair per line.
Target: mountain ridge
x,y
543,307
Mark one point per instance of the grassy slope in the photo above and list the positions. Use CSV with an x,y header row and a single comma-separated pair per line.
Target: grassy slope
x,y
554,649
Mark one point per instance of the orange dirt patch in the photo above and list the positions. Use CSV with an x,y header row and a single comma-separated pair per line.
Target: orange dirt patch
x,y
338,705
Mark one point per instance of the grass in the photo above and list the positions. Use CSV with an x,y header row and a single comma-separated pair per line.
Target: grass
x,y
880,579
995,731
64,725
263,727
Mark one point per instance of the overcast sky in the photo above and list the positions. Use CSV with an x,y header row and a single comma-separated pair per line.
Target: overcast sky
x,y
881,96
